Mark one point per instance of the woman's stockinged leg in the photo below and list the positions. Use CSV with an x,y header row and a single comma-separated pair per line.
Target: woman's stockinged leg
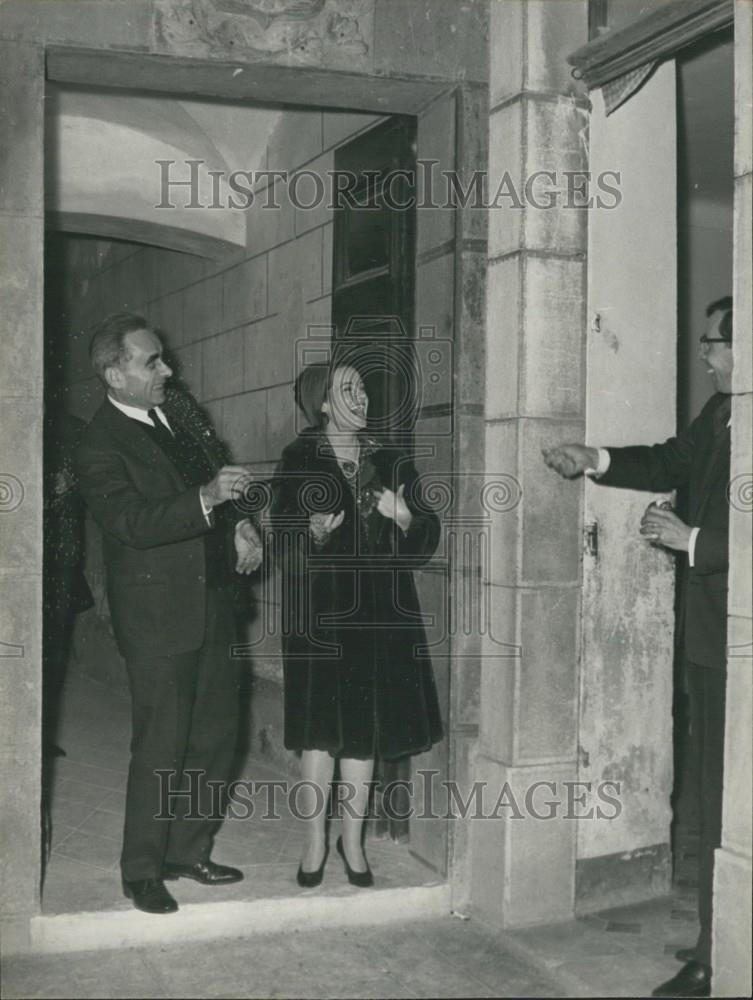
x,y
357,775
317,768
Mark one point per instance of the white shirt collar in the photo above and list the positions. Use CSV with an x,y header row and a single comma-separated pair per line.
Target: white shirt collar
x,y
136,413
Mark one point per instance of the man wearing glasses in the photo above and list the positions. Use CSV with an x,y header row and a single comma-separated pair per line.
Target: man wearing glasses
x,y
699,457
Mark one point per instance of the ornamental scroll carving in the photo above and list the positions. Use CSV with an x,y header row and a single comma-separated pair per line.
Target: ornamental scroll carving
x,y
333,33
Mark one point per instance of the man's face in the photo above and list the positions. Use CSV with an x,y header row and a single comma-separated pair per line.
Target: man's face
x,y
717,357
140,380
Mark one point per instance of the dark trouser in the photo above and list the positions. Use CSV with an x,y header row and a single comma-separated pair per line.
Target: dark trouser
x,y
185,717
706,694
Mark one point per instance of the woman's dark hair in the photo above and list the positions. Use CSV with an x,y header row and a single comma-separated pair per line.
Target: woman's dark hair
x,y
310,391
315,381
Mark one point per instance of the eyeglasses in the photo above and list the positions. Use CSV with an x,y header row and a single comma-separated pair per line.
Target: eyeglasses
x,y
713,340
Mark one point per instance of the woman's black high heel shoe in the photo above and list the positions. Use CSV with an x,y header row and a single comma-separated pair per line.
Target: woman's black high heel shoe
x,y
362,879
310,880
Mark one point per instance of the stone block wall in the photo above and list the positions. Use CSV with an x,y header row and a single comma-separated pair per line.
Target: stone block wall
x,y
533,392
21,236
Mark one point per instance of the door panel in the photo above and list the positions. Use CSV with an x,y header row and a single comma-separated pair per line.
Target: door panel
x,y
374,272
628,586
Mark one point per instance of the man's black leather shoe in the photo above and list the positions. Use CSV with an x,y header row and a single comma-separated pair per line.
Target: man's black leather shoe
x,y
150,895
206,872
693,980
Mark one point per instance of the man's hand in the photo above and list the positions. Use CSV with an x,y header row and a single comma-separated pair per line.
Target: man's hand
x,y
571,460
322,525
664,527
226,485
393,506
248,547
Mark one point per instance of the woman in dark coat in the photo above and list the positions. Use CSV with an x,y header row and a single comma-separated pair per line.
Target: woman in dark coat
x,y
350,526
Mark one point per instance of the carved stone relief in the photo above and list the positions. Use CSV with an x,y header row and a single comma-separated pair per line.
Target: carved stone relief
x,y
334,33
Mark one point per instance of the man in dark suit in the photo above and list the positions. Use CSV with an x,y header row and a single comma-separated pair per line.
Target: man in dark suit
x,y
699,457
152,477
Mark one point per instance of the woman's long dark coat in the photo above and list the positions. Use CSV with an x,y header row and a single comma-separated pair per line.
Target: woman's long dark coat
x,y
358,679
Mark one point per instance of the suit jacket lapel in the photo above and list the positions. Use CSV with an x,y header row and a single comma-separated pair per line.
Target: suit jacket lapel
x,y
713,466
183,412
138,440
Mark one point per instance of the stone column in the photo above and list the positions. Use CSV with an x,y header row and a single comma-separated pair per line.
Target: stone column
x,y
534,392
732,867
21,264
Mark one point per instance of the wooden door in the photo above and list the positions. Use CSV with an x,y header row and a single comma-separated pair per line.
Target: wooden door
x,y
374,272
625,725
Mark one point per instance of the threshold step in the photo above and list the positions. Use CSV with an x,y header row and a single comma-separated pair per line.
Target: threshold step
x,y
107,929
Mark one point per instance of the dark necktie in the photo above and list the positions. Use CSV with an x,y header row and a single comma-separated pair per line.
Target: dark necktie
x,y
157,420
165,437
183,451
189,459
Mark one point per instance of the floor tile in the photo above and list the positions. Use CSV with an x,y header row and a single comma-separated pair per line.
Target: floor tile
x,y
89,849
104,824
91,774
73,887
80,791
70,812
113,802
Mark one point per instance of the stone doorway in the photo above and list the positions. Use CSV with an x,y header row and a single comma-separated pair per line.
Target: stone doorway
x,y
436,107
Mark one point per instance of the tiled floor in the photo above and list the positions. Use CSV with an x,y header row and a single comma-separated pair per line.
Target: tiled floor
x,y
87,805
441,958
621,952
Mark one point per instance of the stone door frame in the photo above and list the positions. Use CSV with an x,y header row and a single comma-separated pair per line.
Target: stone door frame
x,y
25,69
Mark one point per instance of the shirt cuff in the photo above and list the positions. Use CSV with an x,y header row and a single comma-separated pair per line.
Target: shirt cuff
x,y
206,510
602,465
691,546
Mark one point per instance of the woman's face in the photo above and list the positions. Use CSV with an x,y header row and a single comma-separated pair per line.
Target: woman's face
x,y
346,404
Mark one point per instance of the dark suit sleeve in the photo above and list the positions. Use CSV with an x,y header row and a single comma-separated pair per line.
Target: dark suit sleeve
x,y
125,513
658,467
711,551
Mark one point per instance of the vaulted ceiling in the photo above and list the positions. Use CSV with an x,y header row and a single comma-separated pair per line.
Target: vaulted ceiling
x,y
103,175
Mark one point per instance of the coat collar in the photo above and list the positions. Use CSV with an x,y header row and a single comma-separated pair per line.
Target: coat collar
x,y
319,446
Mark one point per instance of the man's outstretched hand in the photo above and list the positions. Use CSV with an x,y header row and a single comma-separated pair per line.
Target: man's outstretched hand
x,y
571,460
228,484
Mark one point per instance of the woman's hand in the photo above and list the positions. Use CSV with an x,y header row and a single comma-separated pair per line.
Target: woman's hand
x,y
322,525
393,506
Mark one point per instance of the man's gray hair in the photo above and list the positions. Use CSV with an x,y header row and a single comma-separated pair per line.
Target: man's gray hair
x,y
107,348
